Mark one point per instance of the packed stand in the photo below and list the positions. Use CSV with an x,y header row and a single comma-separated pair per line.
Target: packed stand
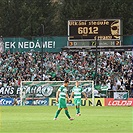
x,y
114,71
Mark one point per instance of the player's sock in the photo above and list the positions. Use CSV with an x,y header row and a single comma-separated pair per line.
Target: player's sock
x,y
78,110
67,114
57,113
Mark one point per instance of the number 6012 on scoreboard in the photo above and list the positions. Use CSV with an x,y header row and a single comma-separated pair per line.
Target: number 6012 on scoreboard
x,y
109,29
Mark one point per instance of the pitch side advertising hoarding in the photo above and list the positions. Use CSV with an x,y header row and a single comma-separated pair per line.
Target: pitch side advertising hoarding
x,y
113,102
88,102
10,101
6,101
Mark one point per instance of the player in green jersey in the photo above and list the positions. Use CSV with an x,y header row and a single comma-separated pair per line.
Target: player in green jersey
x,y
61,96
77,91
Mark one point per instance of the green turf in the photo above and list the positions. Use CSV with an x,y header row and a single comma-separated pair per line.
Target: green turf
x,y
39,119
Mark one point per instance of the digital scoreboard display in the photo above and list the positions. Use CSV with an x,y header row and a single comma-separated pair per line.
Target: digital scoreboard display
x,y
109,29
93,43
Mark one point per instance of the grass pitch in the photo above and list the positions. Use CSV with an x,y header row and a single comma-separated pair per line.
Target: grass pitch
x,y
39,119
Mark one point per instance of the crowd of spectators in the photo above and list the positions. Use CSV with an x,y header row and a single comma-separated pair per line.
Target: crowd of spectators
x,y
114,71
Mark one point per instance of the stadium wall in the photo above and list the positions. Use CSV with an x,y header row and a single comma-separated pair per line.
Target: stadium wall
x,y
50,44
128,40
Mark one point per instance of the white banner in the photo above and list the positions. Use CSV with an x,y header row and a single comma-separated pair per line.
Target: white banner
x,y
120,95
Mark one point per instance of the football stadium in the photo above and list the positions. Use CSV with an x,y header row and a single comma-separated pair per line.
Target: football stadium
x,y
66,66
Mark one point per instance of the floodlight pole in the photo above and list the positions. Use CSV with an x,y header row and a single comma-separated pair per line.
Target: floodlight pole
x,y
96,61
42,50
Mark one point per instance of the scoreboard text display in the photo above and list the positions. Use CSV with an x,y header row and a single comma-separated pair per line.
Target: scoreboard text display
x,y
109,29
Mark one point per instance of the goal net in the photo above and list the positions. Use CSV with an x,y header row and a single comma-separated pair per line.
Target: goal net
x,y
37,90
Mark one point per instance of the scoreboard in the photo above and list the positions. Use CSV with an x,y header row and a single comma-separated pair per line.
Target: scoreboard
x,y
90,30
93,43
